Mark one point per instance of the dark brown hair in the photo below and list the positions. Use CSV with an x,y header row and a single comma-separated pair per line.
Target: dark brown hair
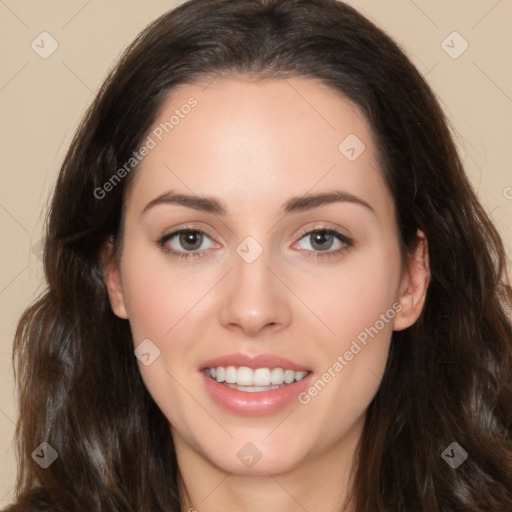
x,y
448,377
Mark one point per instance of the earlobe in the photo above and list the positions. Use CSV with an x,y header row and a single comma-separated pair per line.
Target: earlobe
x,y
413,285
112,278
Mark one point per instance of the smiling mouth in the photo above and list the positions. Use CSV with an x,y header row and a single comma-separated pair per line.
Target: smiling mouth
x,y
250,380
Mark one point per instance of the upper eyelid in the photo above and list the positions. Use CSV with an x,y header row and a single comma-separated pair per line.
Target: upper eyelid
x,y
342,238
191,227
302,233
323,227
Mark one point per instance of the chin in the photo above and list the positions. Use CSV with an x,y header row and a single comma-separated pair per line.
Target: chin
x,y
258,458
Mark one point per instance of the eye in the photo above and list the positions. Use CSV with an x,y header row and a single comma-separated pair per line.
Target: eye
x,y
186,243
195,243
324,242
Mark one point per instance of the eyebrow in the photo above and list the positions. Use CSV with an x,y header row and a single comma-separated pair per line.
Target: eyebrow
x,y
293,205
307,202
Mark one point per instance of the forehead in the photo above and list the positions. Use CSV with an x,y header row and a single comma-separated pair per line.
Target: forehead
x,y
246,139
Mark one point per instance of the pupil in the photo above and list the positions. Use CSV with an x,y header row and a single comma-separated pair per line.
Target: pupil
x,y
323,239
191,240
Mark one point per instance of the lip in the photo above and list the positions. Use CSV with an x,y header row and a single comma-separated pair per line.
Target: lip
x,y
254,361
257,403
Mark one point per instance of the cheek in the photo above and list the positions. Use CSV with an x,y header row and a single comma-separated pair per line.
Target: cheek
x,y
162,306
358,304
158,295
353,297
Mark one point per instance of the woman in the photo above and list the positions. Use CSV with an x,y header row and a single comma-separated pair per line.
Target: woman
x,y
270,284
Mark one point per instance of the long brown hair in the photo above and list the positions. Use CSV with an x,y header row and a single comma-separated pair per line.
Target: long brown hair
x,y
448,377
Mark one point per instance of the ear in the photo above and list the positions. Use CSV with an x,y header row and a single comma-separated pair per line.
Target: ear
x,y
112,278
413,284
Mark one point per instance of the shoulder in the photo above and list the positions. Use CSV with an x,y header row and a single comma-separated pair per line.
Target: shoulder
x,y
37,500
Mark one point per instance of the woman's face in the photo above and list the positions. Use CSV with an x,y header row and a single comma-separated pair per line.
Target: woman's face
x,y
260,240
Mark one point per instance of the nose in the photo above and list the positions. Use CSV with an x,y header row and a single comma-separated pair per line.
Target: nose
x,y
255,301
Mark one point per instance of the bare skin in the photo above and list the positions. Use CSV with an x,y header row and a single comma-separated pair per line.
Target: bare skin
x,y
253,146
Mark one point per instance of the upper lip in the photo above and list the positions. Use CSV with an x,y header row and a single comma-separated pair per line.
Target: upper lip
x,y
254,361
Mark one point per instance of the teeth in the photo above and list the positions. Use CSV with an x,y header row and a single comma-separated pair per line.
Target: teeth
x,y
243,377
277,376
259,378
251,389
221,374
289,376
231,375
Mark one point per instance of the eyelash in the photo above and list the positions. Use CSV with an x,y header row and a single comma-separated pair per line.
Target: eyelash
x,y
346,241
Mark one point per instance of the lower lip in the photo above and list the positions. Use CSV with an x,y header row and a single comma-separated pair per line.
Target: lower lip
x,y
256,403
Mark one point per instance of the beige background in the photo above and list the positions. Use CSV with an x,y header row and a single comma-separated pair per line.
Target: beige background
x,y
42,100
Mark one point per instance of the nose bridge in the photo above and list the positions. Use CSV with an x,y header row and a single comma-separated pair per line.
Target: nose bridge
x,y
255,299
